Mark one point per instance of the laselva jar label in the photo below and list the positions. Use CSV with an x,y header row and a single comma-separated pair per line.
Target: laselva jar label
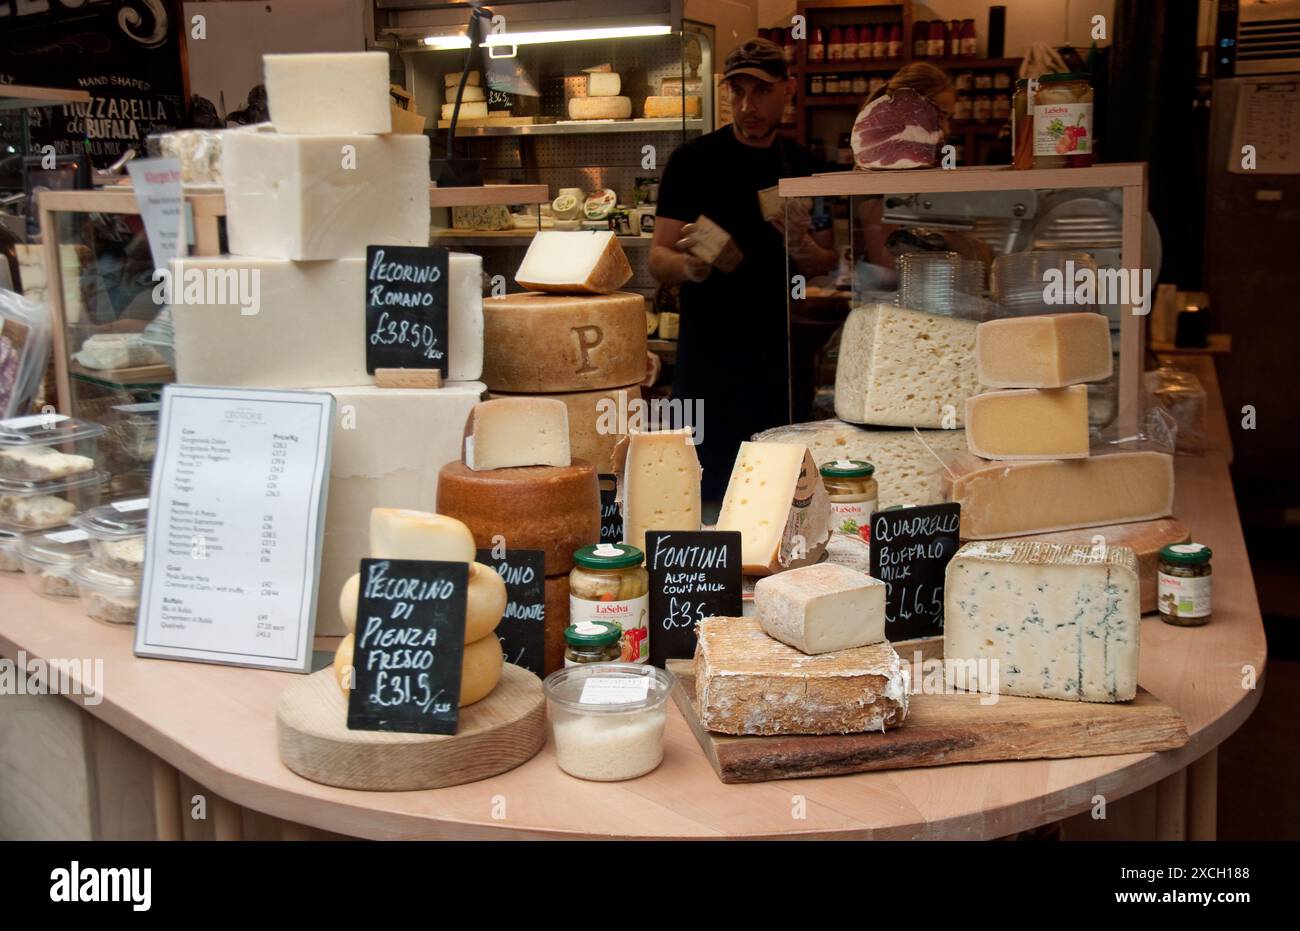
x,y
1063,129
631,615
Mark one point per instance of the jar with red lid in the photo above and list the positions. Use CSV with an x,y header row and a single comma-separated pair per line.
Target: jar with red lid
x,y
935,47
880,42
920,39
895,47
850,52
835,45
817,46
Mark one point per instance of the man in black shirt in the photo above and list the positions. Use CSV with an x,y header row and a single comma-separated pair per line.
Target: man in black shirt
x,y
733,343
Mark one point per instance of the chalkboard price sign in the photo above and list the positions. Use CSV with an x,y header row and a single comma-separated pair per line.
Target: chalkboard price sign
x,y
410,642
406,308
611,518
523,626
693,575
910,550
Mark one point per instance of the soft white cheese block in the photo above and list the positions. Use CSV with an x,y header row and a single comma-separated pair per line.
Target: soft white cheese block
x,y
324,197
585,262
821,608
1058,620
507,433
328,93
604,84
309,328
389,445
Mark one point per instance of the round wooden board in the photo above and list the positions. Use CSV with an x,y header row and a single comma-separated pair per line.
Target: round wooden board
x,y
495,735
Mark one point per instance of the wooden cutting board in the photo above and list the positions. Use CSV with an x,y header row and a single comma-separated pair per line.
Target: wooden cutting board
x,y
939,730
495,735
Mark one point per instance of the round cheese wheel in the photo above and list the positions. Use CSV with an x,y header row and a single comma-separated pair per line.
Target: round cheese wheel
x,y
480,671
555,509
398,533
348,601
600,108
343,663
557,621
536,343
586,410
485,602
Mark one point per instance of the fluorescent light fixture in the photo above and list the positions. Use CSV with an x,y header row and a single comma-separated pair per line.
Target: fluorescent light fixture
x,y
573,35
439,42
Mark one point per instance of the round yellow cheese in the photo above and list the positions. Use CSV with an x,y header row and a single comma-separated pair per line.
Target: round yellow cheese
x,y
348,601
396,533
343,663
480,670
485,602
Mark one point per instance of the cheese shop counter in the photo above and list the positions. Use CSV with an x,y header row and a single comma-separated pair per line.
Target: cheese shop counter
x,y
165,734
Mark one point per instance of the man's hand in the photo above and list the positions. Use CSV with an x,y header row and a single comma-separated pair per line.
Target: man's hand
x,y
695,269
670,258
795,221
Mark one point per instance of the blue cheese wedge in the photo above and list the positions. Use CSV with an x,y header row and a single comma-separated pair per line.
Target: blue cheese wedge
x,y
41,464
1043,620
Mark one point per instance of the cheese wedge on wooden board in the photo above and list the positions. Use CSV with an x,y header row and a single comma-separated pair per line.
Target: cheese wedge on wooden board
x,y
1044,351
660,489
1145,538
328,93
905,368
1007,499
776,500
1058,621
520,431
1029,423
574,262
714,245
822,608
748,683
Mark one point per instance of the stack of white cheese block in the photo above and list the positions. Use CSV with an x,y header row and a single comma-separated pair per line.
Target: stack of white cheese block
x,y
305,196
602,100
813,661
403,534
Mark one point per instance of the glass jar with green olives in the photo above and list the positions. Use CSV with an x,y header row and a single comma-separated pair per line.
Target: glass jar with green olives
x,y
592,642
609,583
1184,584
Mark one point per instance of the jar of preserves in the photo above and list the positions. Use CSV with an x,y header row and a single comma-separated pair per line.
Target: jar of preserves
x,y
854,494
1002,80
964,81
1002,107
983,82
835,45
1022,127
964,109
817,84
1063,121
1184,584
850,52
983,108
610,584
817,47
592,642
864,43
860,84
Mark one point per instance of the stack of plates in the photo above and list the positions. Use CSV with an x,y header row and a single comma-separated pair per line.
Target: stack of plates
x,y
943,283
1021,281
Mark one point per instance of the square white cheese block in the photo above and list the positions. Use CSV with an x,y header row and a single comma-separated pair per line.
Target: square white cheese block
x,y
324,197
821,608
309,327
328,93
1043,620
577,262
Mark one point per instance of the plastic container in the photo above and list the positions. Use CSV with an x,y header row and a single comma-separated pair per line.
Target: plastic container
x,y
117,532
26,506
48,447
10,561
134,431
50,558
107,596
607,719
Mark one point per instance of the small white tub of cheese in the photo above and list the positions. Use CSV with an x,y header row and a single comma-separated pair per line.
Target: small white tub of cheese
x,y
107,596
117,532
607,719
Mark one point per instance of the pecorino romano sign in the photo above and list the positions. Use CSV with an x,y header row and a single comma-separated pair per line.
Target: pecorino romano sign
x,y
125,53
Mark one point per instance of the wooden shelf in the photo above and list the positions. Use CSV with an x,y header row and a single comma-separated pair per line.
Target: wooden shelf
x,y
22,96
488,194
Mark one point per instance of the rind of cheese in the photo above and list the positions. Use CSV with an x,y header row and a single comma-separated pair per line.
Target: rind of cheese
x,y
907,472
469,109
905,368
324,197
661,485
577,262
556,510
1059,621
658,107
482,217
776,500
397,533
520,431
748,683
452,78
714,245
1029,423
348,597
41,463
600,108
593,420
480,668
536,343
1043,351
485,602
1005,499
328,93
822,608
604,84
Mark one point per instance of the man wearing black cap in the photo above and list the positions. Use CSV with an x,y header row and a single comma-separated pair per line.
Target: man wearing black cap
x,y
733,344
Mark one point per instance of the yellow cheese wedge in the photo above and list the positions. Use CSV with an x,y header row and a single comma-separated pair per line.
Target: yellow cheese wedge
x,y
1029,424
1044,351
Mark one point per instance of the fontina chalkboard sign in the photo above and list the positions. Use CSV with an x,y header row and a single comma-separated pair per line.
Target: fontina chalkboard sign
x,y
406,308
910,551
693,575
410,642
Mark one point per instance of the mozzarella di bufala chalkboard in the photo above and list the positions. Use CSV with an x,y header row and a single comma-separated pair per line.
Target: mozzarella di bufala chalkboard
x,y
910,551
410,642
406,308
693,575
523,626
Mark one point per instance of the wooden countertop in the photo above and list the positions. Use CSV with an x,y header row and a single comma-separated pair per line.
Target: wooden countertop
x,y
216,724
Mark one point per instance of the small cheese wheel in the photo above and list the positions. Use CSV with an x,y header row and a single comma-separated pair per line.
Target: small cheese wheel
x,y
485,602
401,534
549,508
348,601
481,669
600,108
343,671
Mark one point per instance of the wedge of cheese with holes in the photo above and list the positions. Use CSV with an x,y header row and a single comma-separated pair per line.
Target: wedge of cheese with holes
x,y
329,93
821,608
553,342
905,368
521,431
1045,351
401,534
485,601
324,197
1029,423
480,667
574,262
1043,620
661,484
748,683
600,108
1006,499
776,500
